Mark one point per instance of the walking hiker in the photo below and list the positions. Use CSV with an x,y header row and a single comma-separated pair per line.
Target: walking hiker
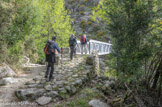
x,y
49,49
83,40
72,46
75,45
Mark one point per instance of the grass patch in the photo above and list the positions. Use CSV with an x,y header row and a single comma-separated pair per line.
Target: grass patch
x,y
110,73
82,98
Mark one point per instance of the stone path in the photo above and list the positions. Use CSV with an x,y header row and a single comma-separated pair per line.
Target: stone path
x,y
69,77
7,92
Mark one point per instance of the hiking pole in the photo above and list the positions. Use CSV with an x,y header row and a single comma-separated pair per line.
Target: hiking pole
x,y
61,56
61,52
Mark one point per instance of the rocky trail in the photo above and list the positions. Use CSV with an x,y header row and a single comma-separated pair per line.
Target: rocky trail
x,y
7,92
33,90
69,77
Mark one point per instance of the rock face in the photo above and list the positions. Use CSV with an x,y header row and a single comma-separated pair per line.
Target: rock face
x,y
97,103
43,100
81,11
6,71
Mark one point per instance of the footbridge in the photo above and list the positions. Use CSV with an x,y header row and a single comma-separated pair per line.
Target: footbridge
x,y
103,48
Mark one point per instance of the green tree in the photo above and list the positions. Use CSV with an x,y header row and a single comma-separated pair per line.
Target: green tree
x,y
55,22
132,24
20,20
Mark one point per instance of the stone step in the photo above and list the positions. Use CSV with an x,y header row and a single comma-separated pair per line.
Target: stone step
x,y
33,68
69,77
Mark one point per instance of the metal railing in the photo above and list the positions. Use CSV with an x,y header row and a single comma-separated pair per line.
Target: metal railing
x,y
102,47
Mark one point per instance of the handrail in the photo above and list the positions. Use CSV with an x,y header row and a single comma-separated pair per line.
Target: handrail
x,y
102,47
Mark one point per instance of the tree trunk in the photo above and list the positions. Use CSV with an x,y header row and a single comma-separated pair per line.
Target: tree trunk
x,y
157,75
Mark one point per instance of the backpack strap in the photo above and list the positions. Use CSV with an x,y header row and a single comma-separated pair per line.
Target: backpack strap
x,y
46,49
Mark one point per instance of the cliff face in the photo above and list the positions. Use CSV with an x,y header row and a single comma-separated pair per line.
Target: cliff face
x,y
81,11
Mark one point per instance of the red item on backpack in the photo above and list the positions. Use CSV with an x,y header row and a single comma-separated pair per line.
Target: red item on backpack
x,y
82,39
45,50
48,49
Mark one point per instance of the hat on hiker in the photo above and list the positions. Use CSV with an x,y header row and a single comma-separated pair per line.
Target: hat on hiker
x,y
53,38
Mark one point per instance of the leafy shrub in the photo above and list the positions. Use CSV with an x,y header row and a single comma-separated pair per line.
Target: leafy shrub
x,y
89,23
72,1
101,33
91,19
86,0
83,24
82,13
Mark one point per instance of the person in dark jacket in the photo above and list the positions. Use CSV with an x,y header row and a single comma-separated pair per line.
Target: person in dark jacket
x,y
51,59
75,45
72,41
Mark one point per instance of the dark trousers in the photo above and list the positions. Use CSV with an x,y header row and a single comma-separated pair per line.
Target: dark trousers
x,y
75,50
71,52
50,65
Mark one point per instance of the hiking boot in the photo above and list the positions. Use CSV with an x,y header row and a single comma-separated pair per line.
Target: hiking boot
x,y
51,78
45,76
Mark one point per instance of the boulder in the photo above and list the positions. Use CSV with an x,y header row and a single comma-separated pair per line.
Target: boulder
x,y
68,89
73,90
43,100
29,93
48,87
52,94
78,82
6,71
8,80
32,85
59,83
97,103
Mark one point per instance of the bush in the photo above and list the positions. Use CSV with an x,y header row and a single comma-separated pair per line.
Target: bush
x,y
101,33
91,19
83,24
89,23
72,1
82,13
86,0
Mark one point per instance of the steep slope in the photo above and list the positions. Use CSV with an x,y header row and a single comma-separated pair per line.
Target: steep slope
x,y
81,12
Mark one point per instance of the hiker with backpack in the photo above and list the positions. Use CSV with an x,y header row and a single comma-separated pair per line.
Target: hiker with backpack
x,y
83,40
72,44
75,45
49,50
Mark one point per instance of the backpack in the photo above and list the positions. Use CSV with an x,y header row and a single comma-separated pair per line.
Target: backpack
x,y
48,49
71,41
83,40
